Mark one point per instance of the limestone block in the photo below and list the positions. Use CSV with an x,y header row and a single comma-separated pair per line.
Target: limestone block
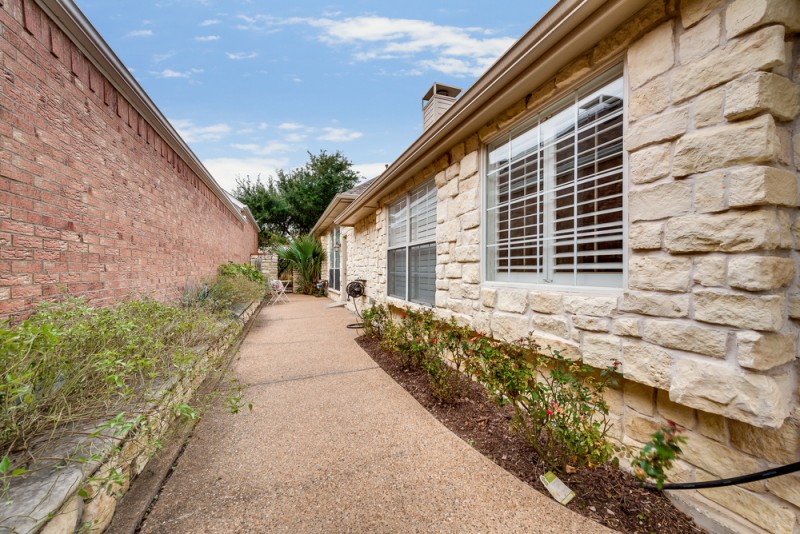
x,y
468,237
779,446
651,55
447,232
757,399
744,15
470,164
447,191
471,273
592,324
601,350
509,326
787,487
645,236
551,324
762,312
454,290
488,297
794,306
640,428
760,92
710,271
98,512
469,254
471,220
546,302
471,291
796,146
686,336
657,128
512,300
442,284
693,11
453,270
760,273
565,348
639,397
758,185
647,364
677,413
760,50
652,97
440,298
712,426
650,163
732,231
765,351
482,323
772,517
656,304
66,519
470,183
709,192
661,201
708,108
626,326
716,458
701,39
440,179
660,273
453,171
752,141
585,305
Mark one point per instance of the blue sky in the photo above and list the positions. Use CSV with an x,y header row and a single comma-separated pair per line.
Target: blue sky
x,y
252,86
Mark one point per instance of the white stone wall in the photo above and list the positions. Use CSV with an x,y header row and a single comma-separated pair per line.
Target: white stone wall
x,y
706,327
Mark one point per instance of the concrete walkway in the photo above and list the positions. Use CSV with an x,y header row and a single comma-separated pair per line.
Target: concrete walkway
x,y
335,445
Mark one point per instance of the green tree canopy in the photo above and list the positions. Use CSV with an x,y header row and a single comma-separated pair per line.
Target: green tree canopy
x,y
291,203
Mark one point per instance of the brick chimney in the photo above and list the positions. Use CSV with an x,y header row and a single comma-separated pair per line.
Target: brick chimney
x,y
436,102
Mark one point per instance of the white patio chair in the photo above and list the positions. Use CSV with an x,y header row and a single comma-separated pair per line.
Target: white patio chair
x,y
277,290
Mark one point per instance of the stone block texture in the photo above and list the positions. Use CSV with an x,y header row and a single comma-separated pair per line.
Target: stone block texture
x,y
93,200
706,324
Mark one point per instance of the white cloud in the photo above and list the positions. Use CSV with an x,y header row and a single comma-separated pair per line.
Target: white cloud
x,y
271,147
295,137
158,58
236,56
169,73
226,170
448,49
291,126
140,33
207,38
193,133
369,170
339,135
210,22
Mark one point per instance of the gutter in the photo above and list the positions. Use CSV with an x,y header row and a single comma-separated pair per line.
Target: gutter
x,y
330,213
80,31
568,29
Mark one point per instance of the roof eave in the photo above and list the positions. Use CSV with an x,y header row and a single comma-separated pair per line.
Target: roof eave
x,y
335,207
569,28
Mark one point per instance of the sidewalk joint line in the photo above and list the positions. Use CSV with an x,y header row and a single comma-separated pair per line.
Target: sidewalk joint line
x,y
299,378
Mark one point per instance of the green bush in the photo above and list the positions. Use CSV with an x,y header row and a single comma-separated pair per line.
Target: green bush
x,y
243,269
232,289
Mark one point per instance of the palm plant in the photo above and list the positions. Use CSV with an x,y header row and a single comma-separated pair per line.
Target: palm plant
x,y
305,254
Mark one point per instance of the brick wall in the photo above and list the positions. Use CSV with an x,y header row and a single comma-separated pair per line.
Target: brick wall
x,y
93,200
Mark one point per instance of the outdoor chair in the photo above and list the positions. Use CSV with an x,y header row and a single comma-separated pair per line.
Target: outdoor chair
x,y
277,289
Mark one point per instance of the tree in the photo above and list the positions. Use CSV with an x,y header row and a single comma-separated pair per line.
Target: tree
x,y
292,202
305,254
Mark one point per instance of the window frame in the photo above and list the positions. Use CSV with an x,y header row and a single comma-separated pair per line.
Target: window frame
x,y
335,259
563,101
408,245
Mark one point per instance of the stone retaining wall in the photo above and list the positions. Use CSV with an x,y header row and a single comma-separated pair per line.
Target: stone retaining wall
x,y
706,326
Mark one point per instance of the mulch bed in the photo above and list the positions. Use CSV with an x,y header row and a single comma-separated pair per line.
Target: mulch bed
x,y
605,494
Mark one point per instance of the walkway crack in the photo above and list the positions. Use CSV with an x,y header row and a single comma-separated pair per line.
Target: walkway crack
x,y
308,377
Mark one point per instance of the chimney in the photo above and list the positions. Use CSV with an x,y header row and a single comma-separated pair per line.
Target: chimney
x,y
436,102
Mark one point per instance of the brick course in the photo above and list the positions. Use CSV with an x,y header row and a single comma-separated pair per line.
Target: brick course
x,y
93,200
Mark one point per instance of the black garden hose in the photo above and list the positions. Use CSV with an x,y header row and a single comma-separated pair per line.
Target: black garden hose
x,y
753,477
355,289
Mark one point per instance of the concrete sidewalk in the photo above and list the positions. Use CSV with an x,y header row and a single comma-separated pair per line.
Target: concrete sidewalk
x,y
335,445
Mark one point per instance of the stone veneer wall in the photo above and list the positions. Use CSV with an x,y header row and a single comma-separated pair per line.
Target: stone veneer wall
x,y
705,329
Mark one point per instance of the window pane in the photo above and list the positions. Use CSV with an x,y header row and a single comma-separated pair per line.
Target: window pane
x,y
423,213
555,194
398,223
423,273
396,286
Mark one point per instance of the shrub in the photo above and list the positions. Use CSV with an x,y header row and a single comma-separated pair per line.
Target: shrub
x,y
230,290
658,455
243,269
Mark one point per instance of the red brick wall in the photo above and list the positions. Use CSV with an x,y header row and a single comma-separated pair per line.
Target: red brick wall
x,y
92,200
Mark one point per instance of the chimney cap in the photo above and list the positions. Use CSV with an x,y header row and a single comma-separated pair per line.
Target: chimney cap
x,y
441,90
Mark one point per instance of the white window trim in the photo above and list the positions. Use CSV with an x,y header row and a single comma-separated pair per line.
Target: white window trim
x,y
332,258
521,125
408,245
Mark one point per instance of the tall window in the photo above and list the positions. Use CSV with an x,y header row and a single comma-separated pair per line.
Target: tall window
x,y
555,193
335,260
412,246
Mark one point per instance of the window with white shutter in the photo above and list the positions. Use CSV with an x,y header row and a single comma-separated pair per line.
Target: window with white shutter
x,y
412,246
554,200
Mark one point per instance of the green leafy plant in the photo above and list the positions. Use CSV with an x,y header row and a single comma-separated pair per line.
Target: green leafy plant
x,y
243,269
306,255
659,454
